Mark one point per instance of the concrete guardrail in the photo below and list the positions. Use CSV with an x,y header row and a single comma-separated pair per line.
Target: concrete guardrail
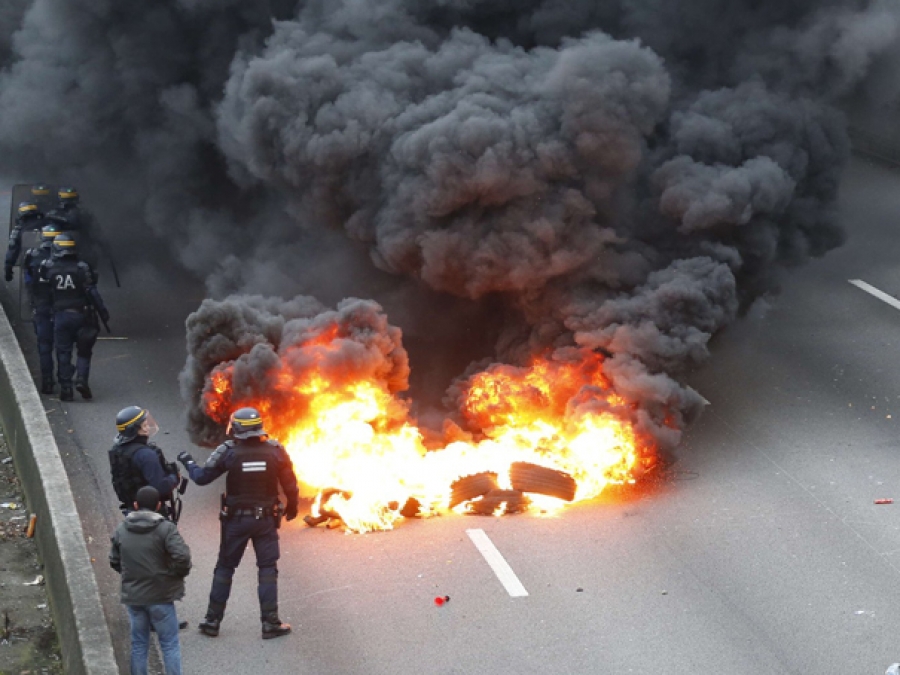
x,y
84,636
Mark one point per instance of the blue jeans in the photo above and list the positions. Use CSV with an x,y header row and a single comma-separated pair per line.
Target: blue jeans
x,y
165,621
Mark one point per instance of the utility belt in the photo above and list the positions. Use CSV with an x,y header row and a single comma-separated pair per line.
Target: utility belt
x,y
227,512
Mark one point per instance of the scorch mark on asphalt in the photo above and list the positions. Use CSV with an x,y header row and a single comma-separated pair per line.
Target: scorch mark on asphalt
x,y
871,290
498,563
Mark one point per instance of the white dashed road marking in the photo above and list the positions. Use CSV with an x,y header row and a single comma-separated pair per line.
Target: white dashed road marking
x,y
881,295
498,563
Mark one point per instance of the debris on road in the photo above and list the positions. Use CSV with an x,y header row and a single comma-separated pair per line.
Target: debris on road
x,y
887,500
32,521
527,477
469,487
499,501
441,600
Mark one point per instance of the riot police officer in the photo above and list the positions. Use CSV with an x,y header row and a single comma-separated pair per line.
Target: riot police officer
x,y
136,461
28,218
70,211
251,511
41,195
71,216
41,298
76,304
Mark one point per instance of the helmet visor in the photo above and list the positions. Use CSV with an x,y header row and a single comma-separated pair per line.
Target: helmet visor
x,y
149,427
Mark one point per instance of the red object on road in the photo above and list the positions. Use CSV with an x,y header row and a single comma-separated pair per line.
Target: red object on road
x,y
441,600
884,501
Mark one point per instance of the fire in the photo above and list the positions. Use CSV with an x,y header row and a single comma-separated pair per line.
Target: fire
x,y
354,438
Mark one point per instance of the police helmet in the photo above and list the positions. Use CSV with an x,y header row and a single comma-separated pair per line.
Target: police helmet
x,y
49,233
63,245
246,423
67,195
28,210
40,190
134,421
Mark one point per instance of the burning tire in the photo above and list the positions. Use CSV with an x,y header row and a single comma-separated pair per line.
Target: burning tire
x,y
527,477
515,502
327,494
470,487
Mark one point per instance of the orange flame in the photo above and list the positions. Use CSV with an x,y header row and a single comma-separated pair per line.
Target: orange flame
x,y
357,437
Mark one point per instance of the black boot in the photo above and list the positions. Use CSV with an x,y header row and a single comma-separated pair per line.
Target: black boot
x,y
81,386
273,628
66,394
210,625
47,386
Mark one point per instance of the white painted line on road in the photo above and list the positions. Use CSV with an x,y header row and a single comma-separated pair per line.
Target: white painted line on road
x,y
871,290
498,563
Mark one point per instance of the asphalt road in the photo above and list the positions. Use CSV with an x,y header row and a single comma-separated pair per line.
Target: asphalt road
x,y
760,552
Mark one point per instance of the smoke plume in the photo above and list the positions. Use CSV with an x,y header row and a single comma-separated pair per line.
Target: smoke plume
x,y
621,176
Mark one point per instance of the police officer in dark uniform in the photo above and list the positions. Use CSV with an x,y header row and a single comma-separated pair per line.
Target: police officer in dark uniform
x,y
136,461
79,222
251,511
76,304
43,197
41,299
70,211
28,218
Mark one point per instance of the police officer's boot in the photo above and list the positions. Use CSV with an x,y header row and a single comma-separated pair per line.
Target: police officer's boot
x,y
272,627
66,393
47,385
81,386
210,625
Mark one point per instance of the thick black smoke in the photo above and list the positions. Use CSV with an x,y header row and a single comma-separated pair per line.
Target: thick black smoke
x,y
626,176
267,347
11,13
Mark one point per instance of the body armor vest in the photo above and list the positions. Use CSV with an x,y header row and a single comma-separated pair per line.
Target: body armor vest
x,y
253,479
127,478
68,278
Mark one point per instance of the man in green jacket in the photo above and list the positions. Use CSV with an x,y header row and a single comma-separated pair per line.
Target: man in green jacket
x,y
153,559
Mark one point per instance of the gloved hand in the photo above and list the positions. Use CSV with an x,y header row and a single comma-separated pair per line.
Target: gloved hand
x,y
104,314
186,459
290,512
8,274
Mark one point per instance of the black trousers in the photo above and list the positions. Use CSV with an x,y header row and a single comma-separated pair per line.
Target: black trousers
x,y
237,532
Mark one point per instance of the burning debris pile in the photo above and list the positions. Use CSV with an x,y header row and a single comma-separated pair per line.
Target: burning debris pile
x,y
330,385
